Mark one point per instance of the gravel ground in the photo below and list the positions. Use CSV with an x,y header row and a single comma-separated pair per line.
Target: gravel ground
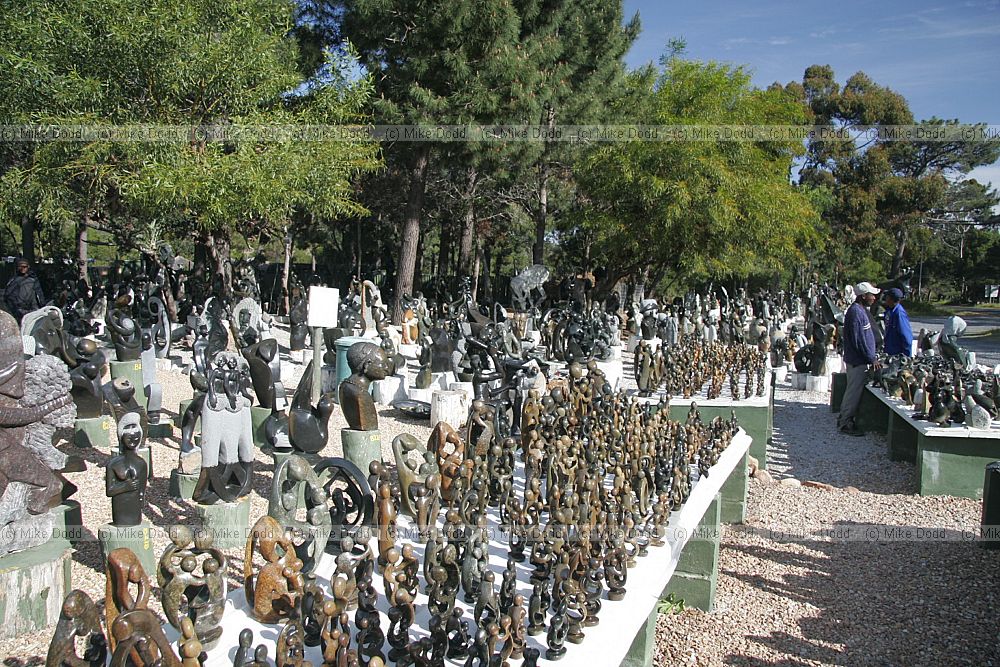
x,y
791,594
802,601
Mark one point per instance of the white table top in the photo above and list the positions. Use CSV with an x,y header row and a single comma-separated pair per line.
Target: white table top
x,y
606,643
930,429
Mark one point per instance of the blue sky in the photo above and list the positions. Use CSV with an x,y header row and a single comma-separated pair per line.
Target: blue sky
x,y
944,58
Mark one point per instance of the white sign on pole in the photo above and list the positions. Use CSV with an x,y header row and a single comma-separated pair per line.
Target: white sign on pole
x,y
324,302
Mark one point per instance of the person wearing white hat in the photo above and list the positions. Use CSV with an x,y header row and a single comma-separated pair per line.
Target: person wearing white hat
x,y
859,354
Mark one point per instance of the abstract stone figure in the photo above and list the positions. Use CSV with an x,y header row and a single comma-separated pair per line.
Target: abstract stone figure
x,y
297,318
274,592
186,593
412,472
227,451
153,389
34,400
124,331
367,362
127,474
292,476
307,424
136,636
79,622
265,373
350,498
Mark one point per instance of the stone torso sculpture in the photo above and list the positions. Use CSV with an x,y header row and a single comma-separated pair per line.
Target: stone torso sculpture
x,y
367,362
127,473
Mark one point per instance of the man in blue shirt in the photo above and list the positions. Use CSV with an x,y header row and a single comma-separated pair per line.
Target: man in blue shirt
x,y
898,334
859,353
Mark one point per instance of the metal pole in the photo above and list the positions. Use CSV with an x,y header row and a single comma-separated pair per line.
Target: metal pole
x,y
317,364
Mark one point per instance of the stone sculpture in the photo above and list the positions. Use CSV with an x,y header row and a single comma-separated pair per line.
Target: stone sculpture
x,y
127,474
307,424
273,593
292,477
368,363
79,623
187,593
34,400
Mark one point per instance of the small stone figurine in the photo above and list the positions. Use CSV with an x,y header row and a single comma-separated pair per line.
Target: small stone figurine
x,y
367,362
127,473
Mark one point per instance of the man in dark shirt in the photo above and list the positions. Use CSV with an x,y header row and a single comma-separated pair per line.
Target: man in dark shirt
x,y
23,293
859,354
898,334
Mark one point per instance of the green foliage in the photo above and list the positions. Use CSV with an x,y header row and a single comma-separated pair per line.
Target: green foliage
x,y
670,605
698,209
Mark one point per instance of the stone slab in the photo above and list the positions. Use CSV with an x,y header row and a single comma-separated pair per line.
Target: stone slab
x,y
901,439
640,653
93,432
162,430
181,485
229,522
953,466
734,492
33,584
133,371
138,539
361,447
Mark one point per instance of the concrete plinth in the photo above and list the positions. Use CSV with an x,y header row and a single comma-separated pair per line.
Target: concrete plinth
x,y
818,383
297,356
361,447
181,486
423,395
392,388
467,387
798,380
697,572
133,371
147,454
162,429
93,432
139,539
257,417
442,380
780,373
451,407
410,351
33,584
228,522
734,494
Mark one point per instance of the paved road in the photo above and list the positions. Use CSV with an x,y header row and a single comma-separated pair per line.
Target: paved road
x,y
980,321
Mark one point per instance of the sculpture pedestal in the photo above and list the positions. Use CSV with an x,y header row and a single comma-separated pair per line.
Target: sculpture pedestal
x,y
467,388
451,407
390,389
229,523
162,429
297,356
442,380
257,417
132,370
361,447
798,380
280,455
780,373
423,395
181,486
817,383
35,582
139,539
410,351
613,371
93,432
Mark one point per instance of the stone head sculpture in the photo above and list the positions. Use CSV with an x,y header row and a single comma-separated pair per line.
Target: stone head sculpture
x,y
367,363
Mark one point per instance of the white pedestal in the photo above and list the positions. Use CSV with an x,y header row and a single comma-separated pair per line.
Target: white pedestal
x,y
297,356
465,387
410,351
535,337
420,394
442,380
817,383
449,406
834,364
799,380
392,388
616,352
780,373
613,370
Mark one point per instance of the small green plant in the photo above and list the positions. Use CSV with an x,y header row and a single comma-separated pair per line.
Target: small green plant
x,y
670,605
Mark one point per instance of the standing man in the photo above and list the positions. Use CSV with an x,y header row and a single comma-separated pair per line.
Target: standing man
x,y
898,334
23,293
859,354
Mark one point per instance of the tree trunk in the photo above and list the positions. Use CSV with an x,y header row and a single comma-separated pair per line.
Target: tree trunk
x,y
286,270
444,248
468,225
199,270
81,247
897,257
411,231
220,249
542,212
28,238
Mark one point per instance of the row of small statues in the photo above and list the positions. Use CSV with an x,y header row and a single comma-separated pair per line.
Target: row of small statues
x,y
684,369
601,474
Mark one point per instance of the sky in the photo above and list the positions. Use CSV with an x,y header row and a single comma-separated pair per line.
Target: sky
x,y
944,58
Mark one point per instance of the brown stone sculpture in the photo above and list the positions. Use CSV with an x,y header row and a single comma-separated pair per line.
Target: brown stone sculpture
x,y
273,592
186,593
292,476
79,621
367,362
136,635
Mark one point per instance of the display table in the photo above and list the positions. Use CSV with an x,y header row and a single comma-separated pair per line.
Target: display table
x,y
608,643
950,459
